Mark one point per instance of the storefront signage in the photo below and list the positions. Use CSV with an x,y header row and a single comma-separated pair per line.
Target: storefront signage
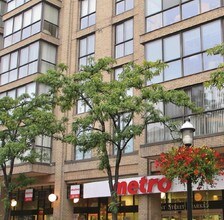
x,y
183,206
74,191
143,186
28,195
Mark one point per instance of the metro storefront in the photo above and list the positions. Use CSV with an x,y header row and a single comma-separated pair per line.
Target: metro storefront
x,y
208,202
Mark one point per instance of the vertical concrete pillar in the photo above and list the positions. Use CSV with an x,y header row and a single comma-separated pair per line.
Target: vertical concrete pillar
x,y
149,207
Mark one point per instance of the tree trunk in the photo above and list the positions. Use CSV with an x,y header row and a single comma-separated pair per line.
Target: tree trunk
x,y
114,216
7,213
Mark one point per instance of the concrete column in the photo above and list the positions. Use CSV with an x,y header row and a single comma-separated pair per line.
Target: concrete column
x,y
149,207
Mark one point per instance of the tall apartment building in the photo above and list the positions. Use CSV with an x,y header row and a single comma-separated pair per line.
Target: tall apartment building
x,y
39,34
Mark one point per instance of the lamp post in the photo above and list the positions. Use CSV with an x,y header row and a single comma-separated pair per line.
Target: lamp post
x,y
187,130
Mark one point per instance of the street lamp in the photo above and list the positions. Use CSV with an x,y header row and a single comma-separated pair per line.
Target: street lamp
x,y
187,130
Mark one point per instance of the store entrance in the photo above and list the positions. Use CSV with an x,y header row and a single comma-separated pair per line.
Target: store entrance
x,y
204,214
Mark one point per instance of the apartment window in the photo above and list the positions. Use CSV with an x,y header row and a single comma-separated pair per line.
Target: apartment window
x,y
117,72
48,57
160,13
50,23
88,13
124,39
122,123
185,53
124,5
210,122
86,50
82,107
27,61
79,154
43,148
30,88
29,23
12,4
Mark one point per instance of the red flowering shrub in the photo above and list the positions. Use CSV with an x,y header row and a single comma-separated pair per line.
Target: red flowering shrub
x,y
200,164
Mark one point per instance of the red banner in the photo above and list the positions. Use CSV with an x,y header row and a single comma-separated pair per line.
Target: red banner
x,y
74,191
28,195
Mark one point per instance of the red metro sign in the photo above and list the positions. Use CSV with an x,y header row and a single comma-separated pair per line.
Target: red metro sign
x,y
144,185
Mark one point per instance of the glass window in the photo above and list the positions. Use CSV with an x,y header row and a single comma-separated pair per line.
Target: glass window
x,y
91,44
84,8
21,90
190,9
171,16
173,111
27,18
79,154
88,13
92,6
12,94
124,5
211,62
83,47
51,14
17,23
169,11
4,78
124,39
173,70
213,98
172,47
36,13
14,60
170,3
211,34
117,72
154,22
5,63
191,41
8,26
129,147
153,6
48,52
13,75
27,21
207,5
86,49
119,33
24,56
120,7
128,30
34,51
155,132
154,50
23,71
197,95
14,4
192,64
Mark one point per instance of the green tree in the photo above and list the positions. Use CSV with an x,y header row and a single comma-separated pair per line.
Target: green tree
x,y
217,77
110,121
21,120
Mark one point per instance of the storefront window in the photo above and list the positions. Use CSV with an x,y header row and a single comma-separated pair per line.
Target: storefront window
x,y
206,205
97,208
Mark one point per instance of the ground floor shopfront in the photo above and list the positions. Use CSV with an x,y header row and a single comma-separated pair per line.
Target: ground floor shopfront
x,y
141,198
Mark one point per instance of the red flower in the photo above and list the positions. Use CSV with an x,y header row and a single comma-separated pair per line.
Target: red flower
x,y
200,164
